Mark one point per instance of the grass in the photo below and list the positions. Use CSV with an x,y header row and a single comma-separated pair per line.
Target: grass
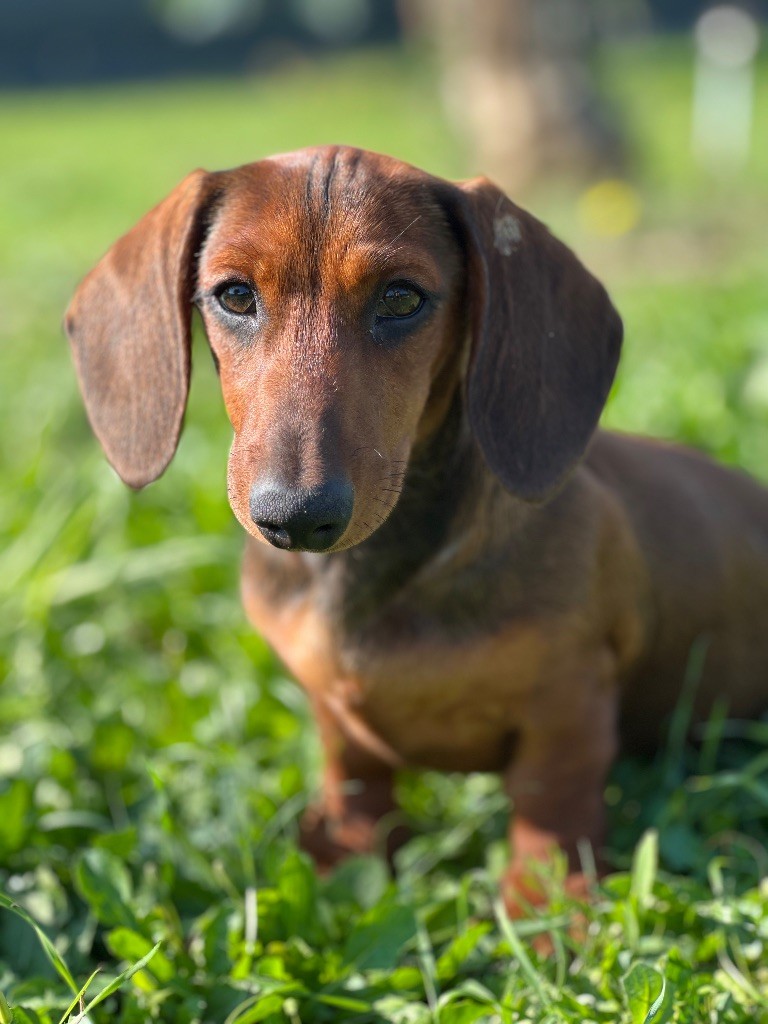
x,y
154,759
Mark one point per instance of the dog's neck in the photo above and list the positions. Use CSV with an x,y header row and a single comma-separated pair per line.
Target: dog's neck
x,y
453,524
436,510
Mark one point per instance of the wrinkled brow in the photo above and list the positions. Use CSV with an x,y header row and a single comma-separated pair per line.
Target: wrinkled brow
x,y
358,263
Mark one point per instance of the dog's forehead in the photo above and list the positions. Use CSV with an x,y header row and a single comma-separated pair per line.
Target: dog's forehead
x,y
344,164
325,177
332,195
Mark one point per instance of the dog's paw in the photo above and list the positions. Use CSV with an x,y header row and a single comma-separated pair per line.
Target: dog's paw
x,y
330,840
524,887
526,892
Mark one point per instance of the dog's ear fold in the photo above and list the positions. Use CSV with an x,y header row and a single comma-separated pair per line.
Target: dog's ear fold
x,y
546,342
129,327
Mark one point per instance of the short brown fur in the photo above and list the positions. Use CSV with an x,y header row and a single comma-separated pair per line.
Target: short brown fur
x,y
515,591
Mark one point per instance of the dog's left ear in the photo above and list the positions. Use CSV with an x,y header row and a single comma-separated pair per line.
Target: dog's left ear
x,y
129,327
546,342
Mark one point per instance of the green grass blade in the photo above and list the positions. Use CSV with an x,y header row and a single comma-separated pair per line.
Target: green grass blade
x,y
6,1015
644,867
50,950
540,985
78,998
117,982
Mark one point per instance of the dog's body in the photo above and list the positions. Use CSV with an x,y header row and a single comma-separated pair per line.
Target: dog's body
x,y
465,588
573,625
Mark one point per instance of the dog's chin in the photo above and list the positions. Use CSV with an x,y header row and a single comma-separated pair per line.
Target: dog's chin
x,y
353,536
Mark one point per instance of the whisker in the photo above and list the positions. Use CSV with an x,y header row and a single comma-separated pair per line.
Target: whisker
x,y
407,226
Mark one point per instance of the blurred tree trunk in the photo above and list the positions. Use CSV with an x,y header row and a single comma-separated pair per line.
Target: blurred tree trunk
x,y
516,81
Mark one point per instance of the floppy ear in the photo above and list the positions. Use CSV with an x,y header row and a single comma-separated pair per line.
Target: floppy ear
x,y
546,342
129,326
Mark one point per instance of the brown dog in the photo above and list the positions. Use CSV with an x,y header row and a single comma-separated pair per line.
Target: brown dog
x,y
414,371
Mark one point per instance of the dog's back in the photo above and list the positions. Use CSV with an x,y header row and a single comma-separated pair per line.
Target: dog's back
x,y
703,530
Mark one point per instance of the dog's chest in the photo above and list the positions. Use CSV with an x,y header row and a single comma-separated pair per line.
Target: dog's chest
x,y
404,685
455,705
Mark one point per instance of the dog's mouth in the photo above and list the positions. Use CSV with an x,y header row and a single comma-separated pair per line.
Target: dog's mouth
x,y
324,538
321,540
338,513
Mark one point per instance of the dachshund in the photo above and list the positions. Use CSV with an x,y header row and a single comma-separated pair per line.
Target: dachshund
x,y
462,571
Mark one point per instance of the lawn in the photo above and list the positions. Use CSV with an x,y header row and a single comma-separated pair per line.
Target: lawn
x,y
154,758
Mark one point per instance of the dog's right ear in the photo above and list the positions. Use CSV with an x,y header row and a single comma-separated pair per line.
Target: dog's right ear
x,y
129,327
545,342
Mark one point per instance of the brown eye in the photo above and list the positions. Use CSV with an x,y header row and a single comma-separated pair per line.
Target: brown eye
x,y
399,300
237,298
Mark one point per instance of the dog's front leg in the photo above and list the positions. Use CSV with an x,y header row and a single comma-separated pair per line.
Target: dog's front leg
x,y
556,784
357,812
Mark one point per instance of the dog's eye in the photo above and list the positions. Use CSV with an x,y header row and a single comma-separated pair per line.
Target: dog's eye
x,y
399,300
237,298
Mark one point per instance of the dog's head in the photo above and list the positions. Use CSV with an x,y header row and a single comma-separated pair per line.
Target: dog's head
x,y
346,296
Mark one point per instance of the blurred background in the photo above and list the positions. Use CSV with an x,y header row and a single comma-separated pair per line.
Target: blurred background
x,y
134,701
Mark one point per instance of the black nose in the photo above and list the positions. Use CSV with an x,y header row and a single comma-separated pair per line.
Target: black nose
x,y
298,518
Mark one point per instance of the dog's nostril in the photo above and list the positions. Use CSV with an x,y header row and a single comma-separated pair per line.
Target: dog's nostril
x,y
325,529
275,533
